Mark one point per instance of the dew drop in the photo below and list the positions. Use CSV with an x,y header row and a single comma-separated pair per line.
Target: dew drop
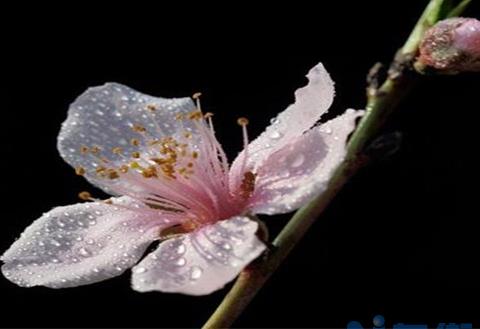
x,y
181,249
274,120
227,246
298,161
84,252
181,261
275,135
195,273
55,243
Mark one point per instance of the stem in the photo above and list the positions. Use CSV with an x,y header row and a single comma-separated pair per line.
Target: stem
x,y
380,105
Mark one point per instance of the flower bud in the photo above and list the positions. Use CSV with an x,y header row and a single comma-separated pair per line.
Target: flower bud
x,y
451,46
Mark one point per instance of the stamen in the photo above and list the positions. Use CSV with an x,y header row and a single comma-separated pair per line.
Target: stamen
x,y
95,150
134,142
117,150
84,149
244,122
196,97
135,155
151,107
86,196
112,174
248,184
80,171
138,128
195,115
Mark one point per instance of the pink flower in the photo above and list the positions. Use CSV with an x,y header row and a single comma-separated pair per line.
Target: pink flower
x,y
175,185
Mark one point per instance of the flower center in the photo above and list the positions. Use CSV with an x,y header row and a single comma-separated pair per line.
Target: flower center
x,y
178,173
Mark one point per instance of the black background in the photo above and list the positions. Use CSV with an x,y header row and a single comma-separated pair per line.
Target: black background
x,y
397,241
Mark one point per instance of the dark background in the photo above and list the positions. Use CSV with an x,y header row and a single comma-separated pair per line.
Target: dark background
x,y
397,241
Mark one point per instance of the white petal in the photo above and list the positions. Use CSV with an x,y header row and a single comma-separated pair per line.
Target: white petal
x,y
103,116
298,172
311,102
80,244
200,262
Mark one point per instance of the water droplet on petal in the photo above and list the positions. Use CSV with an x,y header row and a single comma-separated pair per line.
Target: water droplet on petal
x,y
195,272
297,161
327,130
181,249
55,243
227,246
274,120
84,252
275,134
181,261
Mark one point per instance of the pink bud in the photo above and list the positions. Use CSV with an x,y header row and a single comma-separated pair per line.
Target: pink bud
x,y
452,45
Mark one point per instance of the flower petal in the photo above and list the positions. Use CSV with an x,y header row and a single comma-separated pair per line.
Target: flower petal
x,y
295,174
200,262
81,244
111,117
311,102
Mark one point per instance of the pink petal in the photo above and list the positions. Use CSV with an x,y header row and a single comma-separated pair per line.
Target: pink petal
x,y
298,172
311,102
200,262
81,244
103,117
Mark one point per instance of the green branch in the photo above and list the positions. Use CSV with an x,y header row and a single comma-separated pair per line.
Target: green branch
x,y
381,102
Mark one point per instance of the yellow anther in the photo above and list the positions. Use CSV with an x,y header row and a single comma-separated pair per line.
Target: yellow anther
x,y
150,172
190,164
194,154
179,116
242,121
84,149
195,115
85,196
208,115
80,171
188,135
138,128
151,107
117,150
159,161
123,169
95,149
135,165
100,170
134,142
112,174
135,155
